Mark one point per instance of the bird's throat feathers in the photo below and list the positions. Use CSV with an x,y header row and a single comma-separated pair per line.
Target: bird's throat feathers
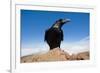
x,y
57,26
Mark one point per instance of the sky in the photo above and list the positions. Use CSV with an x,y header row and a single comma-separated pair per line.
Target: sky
x,y
71,48
34,23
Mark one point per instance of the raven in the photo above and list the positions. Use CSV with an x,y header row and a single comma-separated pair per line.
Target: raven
x,y
54,35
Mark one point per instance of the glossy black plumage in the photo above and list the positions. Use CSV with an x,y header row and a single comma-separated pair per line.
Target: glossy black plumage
x,y
54,35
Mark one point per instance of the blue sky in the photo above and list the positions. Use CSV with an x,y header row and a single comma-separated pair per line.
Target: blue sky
x,y
34,23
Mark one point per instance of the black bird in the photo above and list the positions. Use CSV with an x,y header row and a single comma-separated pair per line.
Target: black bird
x,y
54,35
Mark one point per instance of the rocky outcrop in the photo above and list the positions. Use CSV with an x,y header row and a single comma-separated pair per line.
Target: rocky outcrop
x,y
54,55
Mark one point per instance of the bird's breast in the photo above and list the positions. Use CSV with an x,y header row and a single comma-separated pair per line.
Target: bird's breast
x,y
54,34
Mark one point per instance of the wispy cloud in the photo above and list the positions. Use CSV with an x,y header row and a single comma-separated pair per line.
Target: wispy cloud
x,y
38,48
73,47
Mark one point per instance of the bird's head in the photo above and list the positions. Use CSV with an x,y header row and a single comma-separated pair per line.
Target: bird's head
x,y
63,21
59,23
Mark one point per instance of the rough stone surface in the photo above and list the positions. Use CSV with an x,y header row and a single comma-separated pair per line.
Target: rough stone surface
x,y
55,55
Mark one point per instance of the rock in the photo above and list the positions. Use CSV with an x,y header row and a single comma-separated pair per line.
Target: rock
x,y
73,57
55,54
83,56
80,56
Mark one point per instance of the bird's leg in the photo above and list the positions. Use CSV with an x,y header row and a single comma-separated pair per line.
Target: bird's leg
x,y
51,47
59,46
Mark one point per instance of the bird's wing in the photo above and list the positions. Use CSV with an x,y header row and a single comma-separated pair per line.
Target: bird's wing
x,y
62,36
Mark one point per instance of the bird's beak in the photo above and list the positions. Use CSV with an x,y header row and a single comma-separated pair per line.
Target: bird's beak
x,y
66,20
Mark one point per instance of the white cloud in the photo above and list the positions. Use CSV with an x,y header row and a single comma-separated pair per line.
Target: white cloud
x,y
75,47
39,48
